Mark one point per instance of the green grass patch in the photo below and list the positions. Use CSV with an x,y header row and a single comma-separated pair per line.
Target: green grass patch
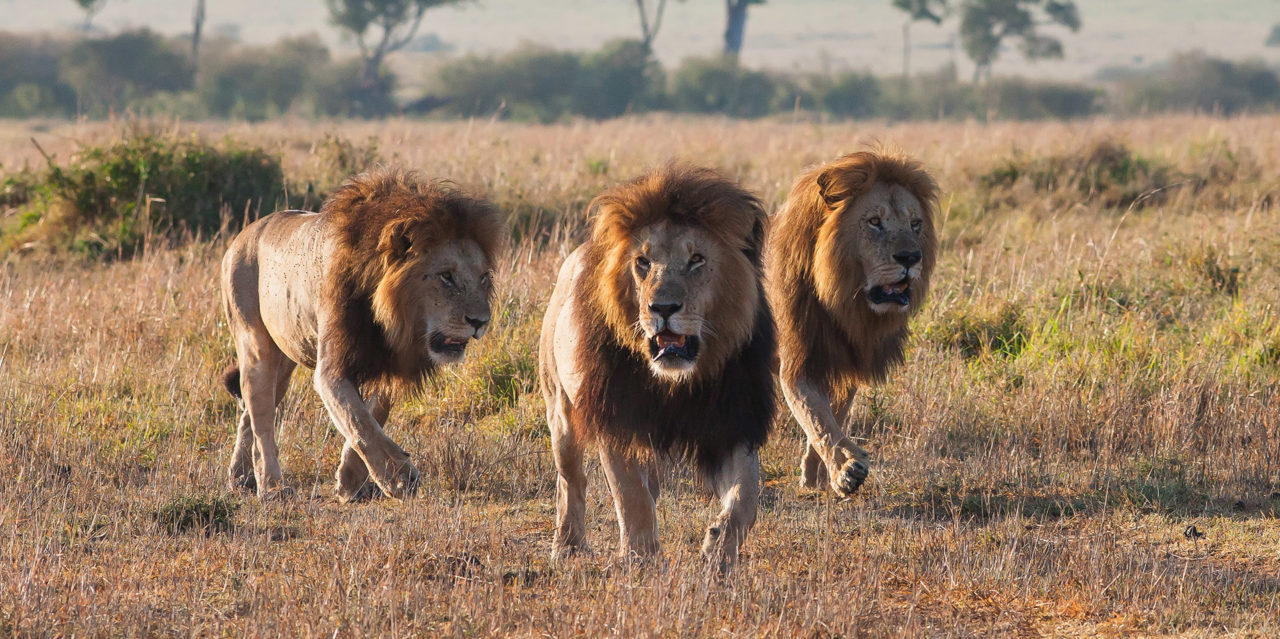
x,y
202,513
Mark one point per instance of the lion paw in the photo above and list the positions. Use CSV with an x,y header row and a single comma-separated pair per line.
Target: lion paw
x,y
402,483
366,491
243,483
851,476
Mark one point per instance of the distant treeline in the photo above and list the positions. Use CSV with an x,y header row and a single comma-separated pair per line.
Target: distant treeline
x,y
147,74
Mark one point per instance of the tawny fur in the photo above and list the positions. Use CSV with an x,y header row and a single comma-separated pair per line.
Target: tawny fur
x,y
601,384
819,258
390,279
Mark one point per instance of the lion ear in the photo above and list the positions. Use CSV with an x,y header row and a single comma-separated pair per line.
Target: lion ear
x,y
830,188
395,241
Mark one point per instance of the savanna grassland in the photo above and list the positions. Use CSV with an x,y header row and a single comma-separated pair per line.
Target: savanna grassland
x,y
1095,372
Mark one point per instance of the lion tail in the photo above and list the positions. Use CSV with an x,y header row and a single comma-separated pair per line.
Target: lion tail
x,y
231,380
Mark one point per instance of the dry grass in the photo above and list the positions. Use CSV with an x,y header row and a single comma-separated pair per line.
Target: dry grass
x,y
1086,383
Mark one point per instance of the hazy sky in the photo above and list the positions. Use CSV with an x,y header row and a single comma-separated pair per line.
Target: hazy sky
x,y
811,34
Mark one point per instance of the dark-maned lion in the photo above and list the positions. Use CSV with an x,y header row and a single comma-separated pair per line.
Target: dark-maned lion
x,y
389,280
848,262
657,340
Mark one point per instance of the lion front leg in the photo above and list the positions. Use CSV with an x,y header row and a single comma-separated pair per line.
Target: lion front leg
x,y
736,482
353,482
387,463
845,463
637,512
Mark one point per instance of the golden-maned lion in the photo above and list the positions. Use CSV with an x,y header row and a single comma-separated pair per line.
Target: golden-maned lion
x,y
657,340
389,280
848,262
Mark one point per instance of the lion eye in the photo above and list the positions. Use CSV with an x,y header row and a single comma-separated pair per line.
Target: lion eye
x,y
875,222
447,278
642,264
915,225
484,279
696,261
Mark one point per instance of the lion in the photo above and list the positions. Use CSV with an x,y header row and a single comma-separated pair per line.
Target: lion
x,y
847,264
657,343
389,280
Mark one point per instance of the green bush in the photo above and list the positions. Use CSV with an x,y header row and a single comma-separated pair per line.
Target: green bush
x,y
854,95
1105,172
720,85
341,93
1195,81
256,83
29,77
619,78
531,83
111,198
1018,99
109,73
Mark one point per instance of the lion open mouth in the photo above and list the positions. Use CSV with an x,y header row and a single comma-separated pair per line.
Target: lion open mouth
x,y
896,293
447,345
669,344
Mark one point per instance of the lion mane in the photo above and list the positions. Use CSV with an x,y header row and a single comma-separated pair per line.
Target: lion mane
x,y
373,217
827,331
731,402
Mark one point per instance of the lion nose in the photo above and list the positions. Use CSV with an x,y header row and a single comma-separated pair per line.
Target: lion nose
x,y
907,258
666,310
477,322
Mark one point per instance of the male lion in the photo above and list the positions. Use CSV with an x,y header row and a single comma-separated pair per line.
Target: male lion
x,y
657,340
849,260
390,279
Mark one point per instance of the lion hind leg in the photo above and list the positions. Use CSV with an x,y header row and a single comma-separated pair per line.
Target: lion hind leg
x,y
813,472
571,484
240,473
259,379
736,482
637,512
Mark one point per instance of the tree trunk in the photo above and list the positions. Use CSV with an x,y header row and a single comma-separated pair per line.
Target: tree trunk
x,y
735,26
906,51
196,28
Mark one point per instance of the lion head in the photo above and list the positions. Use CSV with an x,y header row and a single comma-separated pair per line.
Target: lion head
x,y
676,260
420,254
851,253
877,232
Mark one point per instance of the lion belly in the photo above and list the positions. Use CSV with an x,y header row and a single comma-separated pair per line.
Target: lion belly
x,y
284,254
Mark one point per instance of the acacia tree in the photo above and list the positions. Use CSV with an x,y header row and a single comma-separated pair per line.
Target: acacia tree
x,y
393,24
735,25
90,9
984,25
649,26
917,10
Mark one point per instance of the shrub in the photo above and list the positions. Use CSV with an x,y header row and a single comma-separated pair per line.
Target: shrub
x,y
1003,332
1106,172
1194,81
854,95
341,93
99,201
1020,99
108,73
531,83
720,85
29,80
255,83
619,78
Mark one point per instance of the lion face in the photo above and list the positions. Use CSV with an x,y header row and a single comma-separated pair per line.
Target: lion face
x,y
673,269
438,300
886,226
